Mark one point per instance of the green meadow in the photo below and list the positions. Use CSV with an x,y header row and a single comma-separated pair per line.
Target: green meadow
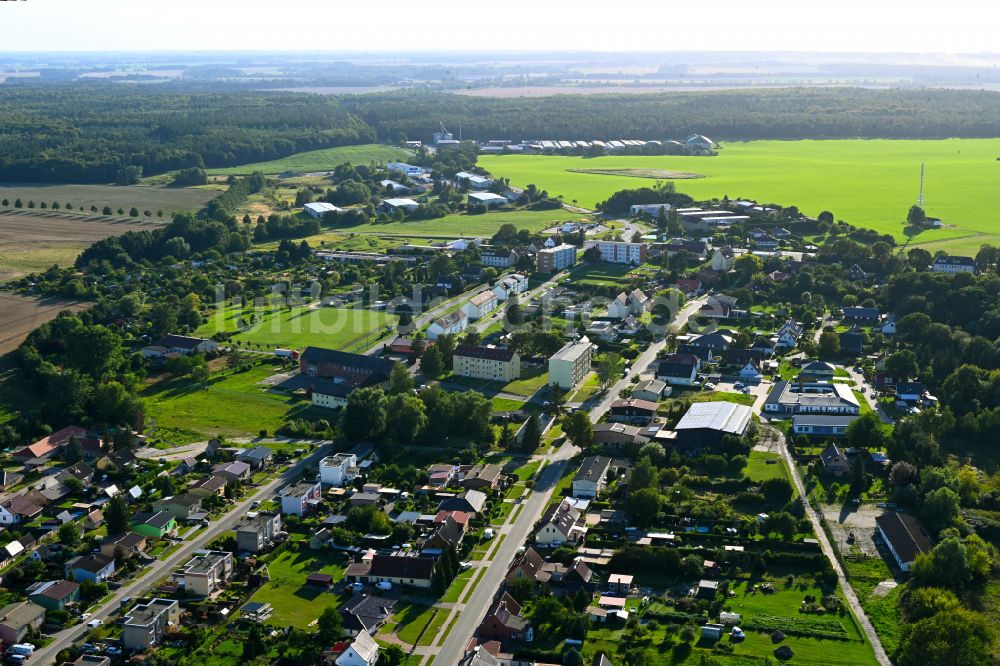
x,y
325,159
867,183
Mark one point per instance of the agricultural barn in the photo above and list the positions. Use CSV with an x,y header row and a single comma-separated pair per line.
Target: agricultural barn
x,y
318,209
706,423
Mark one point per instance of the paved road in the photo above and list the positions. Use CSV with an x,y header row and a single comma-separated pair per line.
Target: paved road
x,y
161,568
478,603
824,542
482,596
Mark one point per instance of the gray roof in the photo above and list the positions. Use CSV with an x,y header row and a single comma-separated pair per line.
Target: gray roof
x,y
823,420
593,468
723,416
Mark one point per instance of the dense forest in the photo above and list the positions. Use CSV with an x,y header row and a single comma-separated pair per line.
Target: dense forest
x,y
806,113
100,133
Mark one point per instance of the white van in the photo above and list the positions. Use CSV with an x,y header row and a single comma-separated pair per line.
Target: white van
x,y
383,585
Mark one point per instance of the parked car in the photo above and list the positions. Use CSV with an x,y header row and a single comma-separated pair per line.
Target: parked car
x,y
383,585
93,624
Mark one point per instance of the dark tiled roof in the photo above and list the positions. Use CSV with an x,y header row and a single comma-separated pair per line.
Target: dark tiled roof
x,y
906,534
316,355
490,353
389,566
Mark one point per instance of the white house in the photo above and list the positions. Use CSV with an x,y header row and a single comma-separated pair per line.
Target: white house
x,y
335,470
618,308
561,523
750,372
319,208
953,264
450,324
592,477
480,305
510,285
889,326
722,259
299,499
652,210
789,334
362,652
474,181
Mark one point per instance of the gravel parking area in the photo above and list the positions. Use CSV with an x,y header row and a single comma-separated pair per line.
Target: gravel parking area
x,y
858,520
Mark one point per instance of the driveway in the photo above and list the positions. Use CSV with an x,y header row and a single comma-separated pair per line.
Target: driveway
x,y
857,520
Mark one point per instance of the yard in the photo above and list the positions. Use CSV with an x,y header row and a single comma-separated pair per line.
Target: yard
x,y
414,619
294,602
602,275
763,466
233,404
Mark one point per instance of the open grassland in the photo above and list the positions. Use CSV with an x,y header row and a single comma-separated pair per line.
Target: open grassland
x,y
233,404
486,224
295,603
20,315
34,241
298,327
762,466
320,160
143,197
868,183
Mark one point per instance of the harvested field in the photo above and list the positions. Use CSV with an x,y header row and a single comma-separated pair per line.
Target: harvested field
x,y
20,315
641,173
33,241
143,197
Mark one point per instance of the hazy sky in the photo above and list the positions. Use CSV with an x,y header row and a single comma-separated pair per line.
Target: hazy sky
x,y
958,26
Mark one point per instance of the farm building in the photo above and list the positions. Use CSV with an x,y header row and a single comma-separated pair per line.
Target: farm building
x,y
318,209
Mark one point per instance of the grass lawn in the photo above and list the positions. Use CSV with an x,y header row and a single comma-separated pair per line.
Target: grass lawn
x,y
601,275
883,611
276,327
526,471
456,225
413,620
586,390
725,396
530,382
183,411
320,160
293,601
506,404
863,401
457,586
758,469
868,183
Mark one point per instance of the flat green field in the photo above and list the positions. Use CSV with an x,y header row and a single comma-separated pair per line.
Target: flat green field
x,y
758,469
336,328
320,160
868,183
294,602
457,225
232,404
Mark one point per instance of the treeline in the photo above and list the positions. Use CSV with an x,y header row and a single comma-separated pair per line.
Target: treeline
x,y
834,113
98,134
237,193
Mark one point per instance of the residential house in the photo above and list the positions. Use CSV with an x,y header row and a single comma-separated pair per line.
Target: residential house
x,y
690,287
157,524
54,594
364,612
569,365
300,499
834,462
856,273
750,373
862,315
80,471
503,622
18,509
95,568
634,411
852,342
618,308
254,534
364,499
904,536
620,584
258,457
820,370
126,546
764,346
338,469
469,501
953,264
510,285
889,325
678,369
618,436
18,618
233,471
450,324
821,425
207,571
363,651
911,392
718,306
502,364
146,624
592,477
179,344
441,474
529,564
718,341
181,506
401,570
210,485
93,520
498,257
791,398
449,534
788,335
483,477
561,523
736,359
723,258
649,389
